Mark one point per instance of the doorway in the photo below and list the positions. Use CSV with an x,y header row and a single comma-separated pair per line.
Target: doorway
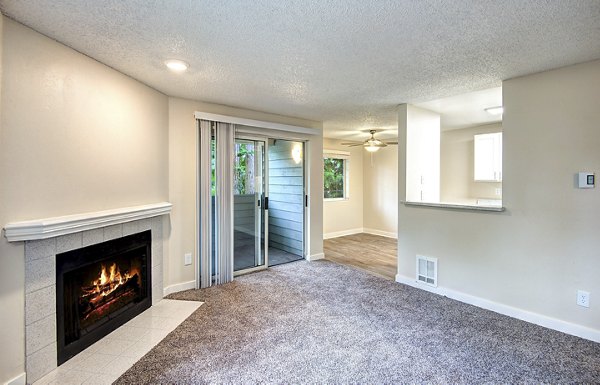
x,y
269,202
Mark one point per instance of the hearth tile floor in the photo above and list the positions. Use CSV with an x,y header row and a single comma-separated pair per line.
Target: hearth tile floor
x,y
105,361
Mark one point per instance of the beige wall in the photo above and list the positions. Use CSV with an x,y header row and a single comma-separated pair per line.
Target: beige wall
x,y
457,183
345,216
381,191
182,179
76,136
545,246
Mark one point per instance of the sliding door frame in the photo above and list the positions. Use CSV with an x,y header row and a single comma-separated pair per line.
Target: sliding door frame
x,y
275,131
259,138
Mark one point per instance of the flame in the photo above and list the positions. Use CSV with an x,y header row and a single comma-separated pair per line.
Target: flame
x,y
108,281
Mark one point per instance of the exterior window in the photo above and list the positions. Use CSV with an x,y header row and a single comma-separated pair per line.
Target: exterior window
x,y
335,178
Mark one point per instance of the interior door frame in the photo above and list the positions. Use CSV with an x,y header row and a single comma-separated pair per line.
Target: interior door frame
x,y
265,140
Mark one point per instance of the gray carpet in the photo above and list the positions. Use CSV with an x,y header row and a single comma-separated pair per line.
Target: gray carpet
x,y
320,322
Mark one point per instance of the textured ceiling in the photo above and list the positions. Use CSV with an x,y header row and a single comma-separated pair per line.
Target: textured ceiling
x,y
466,110
348,63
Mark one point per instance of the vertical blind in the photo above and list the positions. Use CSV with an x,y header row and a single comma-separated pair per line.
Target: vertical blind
x,y
216,244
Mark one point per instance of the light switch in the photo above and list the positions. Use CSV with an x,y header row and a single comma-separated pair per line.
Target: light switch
x,y
187,259
587,180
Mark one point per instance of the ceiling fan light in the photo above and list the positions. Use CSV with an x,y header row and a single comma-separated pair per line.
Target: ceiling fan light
x,y
372,148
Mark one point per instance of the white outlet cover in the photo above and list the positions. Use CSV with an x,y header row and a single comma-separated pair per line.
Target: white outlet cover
x,y
187,259
583,298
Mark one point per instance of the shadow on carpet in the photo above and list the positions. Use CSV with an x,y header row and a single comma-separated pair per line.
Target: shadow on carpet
x,y
319,322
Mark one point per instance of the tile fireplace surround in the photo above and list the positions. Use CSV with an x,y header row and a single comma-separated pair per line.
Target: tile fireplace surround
x,y
48,237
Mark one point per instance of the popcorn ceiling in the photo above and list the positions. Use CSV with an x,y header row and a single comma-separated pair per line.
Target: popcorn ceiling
x,y
346,63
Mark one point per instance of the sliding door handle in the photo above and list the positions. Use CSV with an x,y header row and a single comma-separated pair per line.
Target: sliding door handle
x,y
266,203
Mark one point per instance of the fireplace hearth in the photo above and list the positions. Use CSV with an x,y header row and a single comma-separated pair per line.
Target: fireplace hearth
x,y
99,288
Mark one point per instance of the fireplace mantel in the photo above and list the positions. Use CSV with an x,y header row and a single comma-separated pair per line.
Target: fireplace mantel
x,y
69,224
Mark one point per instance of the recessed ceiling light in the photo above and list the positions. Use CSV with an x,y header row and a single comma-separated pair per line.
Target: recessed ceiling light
x,y
495,110
176,65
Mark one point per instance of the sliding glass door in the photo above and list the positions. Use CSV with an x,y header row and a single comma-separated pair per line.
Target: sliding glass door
x,y
287,201
249,219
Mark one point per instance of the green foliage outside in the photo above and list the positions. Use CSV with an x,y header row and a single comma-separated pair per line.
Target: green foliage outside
x,y
333,178
240,177
240,168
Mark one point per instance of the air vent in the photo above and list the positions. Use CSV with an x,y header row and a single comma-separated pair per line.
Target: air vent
x,y
427,270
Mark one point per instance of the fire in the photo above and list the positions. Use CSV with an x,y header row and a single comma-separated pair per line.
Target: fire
x,y
109,280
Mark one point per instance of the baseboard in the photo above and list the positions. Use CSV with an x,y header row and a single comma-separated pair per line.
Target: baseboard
x,y
380,233
315,257
18,380
179,287
524,315
343,233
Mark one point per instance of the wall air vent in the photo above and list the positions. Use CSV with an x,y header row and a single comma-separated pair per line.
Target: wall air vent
x,y
427,270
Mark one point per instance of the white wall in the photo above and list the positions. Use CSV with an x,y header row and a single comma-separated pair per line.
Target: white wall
x,y
343,217
422,155
183,171
457,183
75,136
381,191
534,256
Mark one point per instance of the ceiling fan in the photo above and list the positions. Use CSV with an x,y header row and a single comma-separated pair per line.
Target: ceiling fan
x,y
371,144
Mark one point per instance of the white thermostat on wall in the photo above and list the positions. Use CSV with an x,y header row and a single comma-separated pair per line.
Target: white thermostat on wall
x,y
586,180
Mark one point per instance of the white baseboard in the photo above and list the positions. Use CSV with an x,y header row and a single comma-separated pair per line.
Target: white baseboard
x,y
387,234
18,380
179,287
315,257
535,318
343,233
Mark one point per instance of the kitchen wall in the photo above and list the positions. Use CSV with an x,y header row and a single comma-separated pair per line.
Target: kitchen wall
x,y
530,260
75,136
457,184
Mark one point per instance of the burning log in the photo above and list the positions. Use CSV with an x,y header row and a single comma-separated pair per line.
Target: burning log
x,y
90,303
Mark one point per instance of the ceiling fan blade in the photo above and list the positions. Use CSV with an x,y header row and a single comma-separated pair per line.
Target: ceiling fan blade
x,y
349,143
352,144
394,143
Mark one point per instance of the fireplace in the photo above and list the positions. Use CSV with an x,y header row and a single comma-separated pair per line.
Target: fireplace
x,y
99,288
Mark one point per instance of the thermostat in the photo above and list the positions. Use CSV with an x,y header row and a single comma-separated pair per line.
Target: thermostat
x,y
586,180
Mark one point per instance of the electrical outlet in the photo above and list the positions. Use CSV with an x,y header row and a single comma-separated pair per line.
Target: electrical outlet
x,y
583,298
187,259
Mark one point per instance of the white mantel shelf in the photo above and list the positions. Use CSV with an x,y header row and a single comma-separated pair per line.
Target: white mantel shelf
x,y
57,226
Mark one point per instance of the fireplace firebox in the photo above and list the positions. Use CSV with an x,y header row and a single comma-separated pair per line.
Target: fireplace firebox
x,y
99,288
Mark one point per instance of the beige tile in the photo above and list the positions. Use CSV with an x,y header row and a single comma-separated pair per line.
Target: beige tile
x,y
111,346
71,377
128,333
102,379
96,363
74,362
135,352
121,365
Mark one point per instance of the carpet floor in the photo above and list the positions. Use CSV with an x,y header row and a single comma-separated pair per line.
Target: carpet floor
x,y
320,322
